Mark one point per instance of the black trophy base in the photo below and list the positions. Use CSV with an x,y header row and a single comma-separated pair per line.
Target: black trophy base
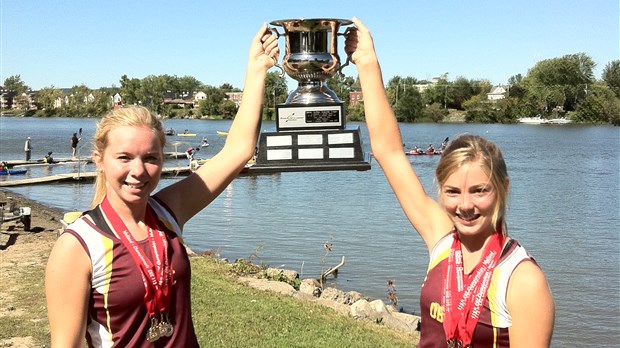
x,y
310,150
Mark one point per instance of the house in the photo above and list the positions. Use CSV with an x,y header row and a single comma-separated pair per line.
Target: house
x,y
7,99
179,100
498,92
355,97
235,97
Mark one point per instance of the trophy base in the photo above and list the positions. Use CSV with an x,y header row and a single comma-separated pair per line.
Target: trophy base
x,y
310,150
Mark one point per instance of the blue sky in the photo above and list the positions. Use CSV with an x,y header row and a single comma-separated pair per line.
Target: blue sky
x,y
68,43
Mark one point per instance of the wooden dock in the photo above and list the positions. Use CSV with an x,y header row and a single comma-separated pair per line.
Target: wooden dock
x,y
86,176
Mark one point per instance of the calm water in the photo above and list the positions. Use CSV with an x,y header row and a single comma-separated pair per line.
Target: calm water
x,y
564,208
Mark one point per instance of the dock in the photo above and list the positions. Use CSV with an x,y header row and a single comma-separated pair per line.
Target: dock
x,y
86,176
70,160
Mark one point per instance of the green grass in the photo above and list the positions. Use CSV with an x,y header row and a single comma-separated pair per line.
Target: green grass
x,y
226,313
229,314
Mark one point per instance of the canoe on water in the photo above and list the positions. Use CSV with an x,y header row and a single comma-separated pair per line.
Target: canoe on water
x,y
222,134
186,134
13,171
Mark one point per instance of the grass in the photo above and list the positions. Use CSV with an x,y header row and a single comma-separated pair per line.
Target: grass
x,y
229,314
226,313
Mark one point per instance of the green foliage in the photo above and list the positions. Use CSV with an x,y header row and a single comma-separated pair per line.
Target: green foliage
x,y
14,83
435,113
553,87
356,112
611,76
600,106
229,314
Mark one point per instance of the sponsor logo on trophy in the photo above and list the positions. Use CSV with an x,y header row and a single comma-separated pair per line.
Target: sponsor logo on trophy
x,y
311,131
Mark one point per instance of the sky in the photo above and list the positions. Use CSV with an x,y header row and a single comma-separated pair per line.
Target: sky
x,y
74,42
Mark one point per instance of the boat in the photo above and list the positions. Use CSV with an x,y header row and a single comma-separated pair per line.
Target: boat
x,y
13,171
422,153
560,120
170,131
533,120
186,134
222,134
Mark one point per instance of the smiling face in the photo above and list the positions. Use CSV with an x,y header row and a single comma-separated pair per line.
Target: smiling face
x,y
470,199
132,162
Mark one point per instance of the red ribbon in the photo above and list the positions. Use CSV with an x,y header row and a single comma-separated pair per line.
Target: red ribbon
x,y
156,274
463,299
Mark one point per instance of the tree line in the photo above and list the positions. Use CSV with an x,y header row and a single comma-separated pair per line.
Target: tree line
x,y
556,87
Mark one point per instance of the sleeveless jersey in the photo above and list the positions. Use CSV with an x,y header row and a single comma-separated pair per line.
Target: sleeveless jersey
x,y
492,328
117,315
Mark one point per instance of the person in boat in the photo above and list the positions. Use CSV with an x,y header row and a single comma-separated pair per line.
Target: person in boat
x,y
48,158
3,166
102,279
205,142
481,288
430,149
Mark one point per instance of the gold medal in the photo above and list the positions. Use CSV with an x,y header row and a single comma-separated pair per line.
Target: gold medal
x,y
166,327
153,333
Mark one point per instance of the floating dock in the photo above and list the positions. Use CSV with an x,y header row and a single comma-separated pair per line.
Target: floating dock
x,y
86,176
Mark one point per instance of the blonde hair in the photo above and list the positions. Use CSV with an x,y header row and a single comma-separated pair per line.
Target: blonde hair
x,y
471,148
131,116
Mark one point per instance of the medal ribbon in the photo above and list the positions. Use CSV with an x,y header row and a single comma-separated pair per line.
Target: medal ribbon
x,y
156,277
463,302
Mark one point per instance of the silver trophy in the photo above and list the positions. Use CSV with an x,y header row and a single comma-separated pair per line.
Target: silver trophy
x,y
311,133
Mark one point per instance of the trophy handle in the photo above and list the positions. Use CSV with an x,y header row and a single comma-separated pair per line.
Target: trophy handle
x,y
275,61
346,32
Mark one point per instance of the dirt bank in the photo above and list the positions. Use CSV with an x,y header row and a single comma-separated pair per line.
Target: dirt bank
x,y
21,254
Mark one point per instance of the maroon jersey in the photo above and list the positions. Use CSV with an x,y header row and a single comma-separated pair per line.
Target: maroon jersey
x,y
117,315
492,328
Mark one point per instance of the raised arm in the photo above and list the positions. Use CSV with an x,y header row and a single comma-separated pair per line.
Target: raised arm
x,y
187,197
426,215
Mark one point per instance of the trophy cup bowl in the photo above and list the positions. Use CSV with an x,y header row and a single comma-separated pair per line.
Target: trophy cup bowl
x,y
311,57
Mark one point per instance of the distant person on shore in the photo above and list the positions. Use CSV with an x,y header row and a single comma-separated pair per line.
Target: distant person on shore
x,y
28,148
120,274
482,288
74,143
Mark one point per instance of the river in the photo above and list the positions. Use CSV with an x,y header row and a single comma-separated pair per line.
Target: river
x,y
564,208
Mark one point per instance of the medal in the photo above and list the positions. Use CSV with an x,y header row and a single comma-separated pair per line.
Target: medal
x,y
153,333
165,328
453,343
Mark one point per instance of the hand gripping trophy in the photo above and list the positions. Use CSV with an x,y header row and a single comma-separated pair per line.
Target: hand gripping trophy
x,y
311,132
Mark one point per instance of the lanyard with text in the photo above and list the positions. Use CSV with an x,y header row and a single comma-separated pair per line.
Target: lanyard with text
x,y
463,301
156,274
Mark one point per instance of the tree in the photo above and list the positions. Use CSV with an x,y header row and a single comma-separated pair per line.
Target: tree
x,y
276,92
15,84
210,106
611,76
341,85
130,90
569,75
46,99
600,105
409,106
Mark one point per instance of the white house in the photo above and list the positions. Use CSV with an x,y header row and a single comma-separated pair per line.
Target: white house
x,y
497,93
